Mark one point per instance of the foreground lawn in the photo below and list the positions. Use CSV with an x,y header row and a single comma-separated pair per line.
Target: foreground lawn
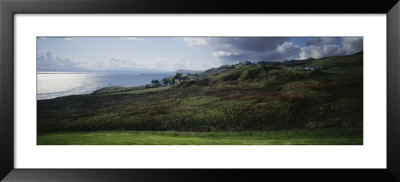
x,y
282,137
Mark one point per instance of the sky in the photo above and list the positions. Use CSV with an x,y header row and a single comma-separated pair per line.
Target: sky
x,y
168,54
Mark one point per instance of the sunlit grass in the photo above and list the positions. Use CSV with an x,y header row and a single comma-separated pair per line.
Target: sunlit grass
x,y
283,137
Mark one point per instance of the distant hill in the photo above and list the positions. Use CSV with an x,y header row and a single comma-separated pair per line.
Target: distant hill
x,y
188,71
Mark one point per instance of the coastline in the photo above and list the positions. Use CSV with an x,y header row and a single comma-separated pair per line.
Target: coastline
x,y
81,83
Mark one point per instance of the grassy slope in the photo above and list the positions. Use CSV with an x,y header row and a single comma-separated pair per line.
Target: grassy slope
x,y
248,97
281,137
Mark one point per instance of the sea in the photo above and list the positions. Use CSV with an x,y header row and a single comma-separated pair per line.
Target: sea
x,y
57,84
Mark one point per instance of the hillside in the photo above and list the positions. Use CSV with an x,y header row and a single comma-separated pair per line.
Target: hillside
x,y
298,94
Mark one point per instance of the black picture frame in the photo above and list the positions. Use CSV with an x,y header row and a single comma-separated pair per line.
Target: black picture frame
x,y
8,8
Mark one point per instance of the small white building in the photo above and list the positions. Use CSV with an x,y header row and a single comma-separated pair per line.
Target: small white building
x,y
310,68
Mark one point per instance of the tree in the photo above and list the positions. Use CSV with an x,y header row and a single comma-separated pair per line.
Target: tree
x,y
155,82
178,76
165,81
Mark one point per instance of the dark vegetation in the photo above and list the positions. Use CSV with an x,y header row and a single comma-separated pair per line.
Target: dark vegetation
x,y
242,97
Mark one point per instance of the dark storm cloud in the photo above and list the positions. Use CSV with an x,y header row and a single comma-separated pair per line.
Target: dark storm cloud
x,y
236,49
352,44
253,44
255,49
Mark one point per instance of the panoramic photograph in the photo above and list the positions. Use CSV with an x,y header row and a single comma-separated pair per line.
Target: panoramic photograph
x,y
199,90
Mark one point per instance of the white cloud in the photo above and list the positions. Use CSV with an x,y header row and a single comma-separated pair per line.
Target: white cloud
x,y
321,51
288,48
67,38
223,53
47,62
118,63
173,64
310,52
196,42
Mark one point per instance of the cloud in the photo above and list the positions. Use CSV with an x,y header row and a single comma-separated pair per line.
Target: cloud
x,y
332,50
288,49
67,38
234,49
331,46
173,64
324,47
320,51
320,41
46,61
248,44
196,42
111,64
310,52
352,45
255,49
224,53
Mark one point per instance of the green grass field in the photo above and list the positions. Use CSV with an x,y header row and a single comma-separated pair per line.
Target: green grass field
x,y
282,137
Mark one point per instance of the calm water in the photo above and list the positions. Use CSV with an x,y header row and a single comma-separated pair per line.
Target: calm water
x,y
57,84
